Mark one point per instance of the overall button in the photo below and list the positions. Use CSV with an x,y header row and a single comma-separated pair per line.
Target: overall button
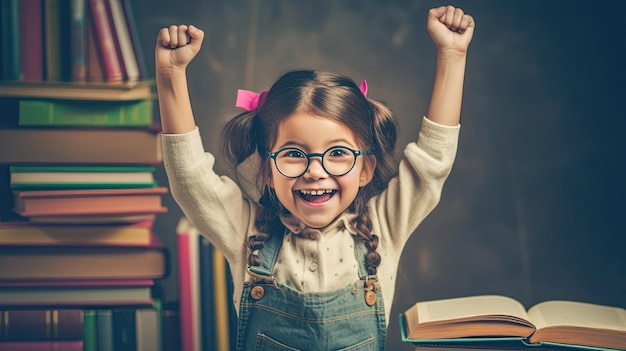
x,y
370,298
313,266
257,292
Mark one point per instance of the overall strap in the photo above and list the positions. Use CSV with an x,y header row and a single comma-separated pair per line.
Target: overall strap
x,y
269,253
360,253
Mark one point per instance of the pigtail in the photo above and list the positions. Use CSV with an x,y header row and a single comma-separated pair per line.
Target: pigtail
x,y
384,133
239,137
266,223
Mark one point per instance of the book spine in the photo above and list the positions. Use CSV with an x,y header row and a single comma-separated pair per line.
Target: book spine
x,y
147,329
78,41
124,332
207,291
40,325
31,32
52,38
90,328
124,41
188,324
94,65
105,44
134,36
59,113
9,30
221,302
105,330
71,345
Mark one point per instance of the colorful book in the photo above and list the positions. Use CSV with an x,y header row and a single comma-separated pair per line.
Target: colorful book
x,y
91,91
88,146
124,41
78,41
74,283
57,40
10,45
54,263
189,286
136,113
71,345
94,66
136,42
31,32
88,201
41,324
26,233
104,326
221,301
90,330
92,219
105,44
207,291
51,177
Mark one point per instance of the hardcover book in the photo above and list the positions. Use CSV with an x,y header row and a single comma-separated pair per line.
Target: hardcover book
x,y
88,201
67,177
481,320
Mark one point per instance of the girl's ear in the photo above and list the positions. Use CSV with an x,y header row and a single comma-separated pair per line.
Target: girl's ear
x,y
367,172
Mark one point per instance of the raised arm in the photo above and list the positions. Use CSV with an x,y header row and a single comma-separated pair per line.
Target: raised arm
x,y
176,46
451,30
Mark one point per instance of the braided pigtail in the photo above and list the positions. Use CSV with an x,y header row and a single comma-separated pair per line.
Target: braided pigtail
x,y
383,135
266,223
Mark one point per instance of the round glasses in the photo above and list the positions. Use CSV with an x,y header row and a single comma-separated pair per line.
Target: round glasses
x,y
336,161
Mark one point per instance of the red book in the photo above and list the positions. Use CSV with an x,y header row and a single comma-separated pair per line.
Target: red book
x,y
42,324
189,285
73,345
31,37
88,201
105,44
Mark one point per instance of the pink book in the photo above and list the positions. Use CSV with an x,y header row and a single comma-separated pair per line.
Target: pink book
x,y
31,37
189,288
106,47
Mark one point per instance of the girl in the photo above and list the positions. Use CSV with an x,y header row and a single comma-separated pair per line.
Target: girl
x,y
314,257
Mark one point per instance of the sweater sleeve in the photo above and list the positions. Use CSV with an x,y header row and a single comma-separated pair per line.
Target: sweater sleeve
x,y
214,204
416,190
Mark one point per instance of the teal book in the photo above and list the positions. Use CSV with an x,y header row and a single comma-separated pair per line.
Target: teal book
x,y
10,43
485,321
90,338
63,113
81,177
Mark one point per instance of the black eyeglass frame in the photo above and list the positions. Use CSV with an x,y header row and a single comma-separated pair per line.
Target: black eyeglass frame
x,y
356,154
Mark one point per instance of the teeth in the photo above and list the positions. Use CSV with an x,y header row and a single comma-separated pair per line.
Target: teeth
x,y
315,192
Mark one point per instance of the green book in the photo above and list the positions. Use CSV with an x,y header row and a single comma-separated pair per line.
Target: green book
x,y
90,329
34,112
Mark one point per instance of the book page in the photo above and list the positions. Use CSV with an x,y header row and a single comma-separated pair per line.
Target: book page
x,y
466,307
581,314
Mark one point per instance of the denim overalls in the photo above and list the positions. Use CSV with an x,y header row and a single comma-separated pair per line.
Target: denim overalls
x,y
272,316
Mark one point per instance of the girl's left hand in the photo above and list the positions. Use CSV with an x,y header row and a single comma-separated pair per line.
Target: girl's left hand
x,y
450,28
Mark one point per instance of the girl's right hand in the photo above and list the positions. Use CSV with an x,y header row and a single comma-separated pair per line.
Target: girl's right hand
x,y
177,46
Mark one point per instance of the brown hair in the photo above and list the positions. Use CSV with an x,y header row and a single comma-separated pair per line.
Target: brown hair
x,y
323,94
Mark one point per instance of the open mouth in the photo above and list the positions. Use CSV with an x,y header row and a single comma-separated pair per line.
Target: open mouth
x,y
316,195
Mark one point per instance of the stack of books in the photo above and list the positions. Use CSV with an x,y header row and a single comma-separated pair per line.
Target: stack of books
x,y
78,197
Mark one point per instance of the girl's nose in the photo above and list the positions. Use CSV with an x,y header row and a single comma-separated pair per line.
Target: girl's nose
x,y
315,170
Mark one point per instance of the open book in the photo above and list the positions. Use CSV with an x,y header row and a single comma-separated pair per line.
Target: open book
x,y
494,317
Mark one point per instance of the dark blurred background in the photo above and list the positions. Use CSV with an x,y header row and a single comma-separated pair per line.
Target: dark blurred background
x,y
533,207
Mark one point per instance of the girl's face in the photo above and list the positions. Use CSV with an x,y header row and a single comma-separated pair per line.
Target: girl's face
x,y
316,197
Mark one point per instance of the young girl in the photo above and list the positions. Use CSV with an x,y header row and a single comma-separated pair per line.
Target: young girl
x,y
314,258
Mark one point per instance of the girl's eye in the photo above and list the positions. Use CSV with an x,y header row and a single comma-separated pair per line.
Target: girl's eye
x,y
337,152
294,153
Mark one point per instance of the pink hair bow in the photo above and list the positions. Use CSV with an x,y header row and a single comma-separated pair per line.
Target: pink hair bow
x,y
363,87
249,100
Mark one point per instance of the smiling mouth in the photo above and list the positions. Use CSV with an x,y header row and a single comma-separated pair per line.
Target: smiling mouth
x,y
316,195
